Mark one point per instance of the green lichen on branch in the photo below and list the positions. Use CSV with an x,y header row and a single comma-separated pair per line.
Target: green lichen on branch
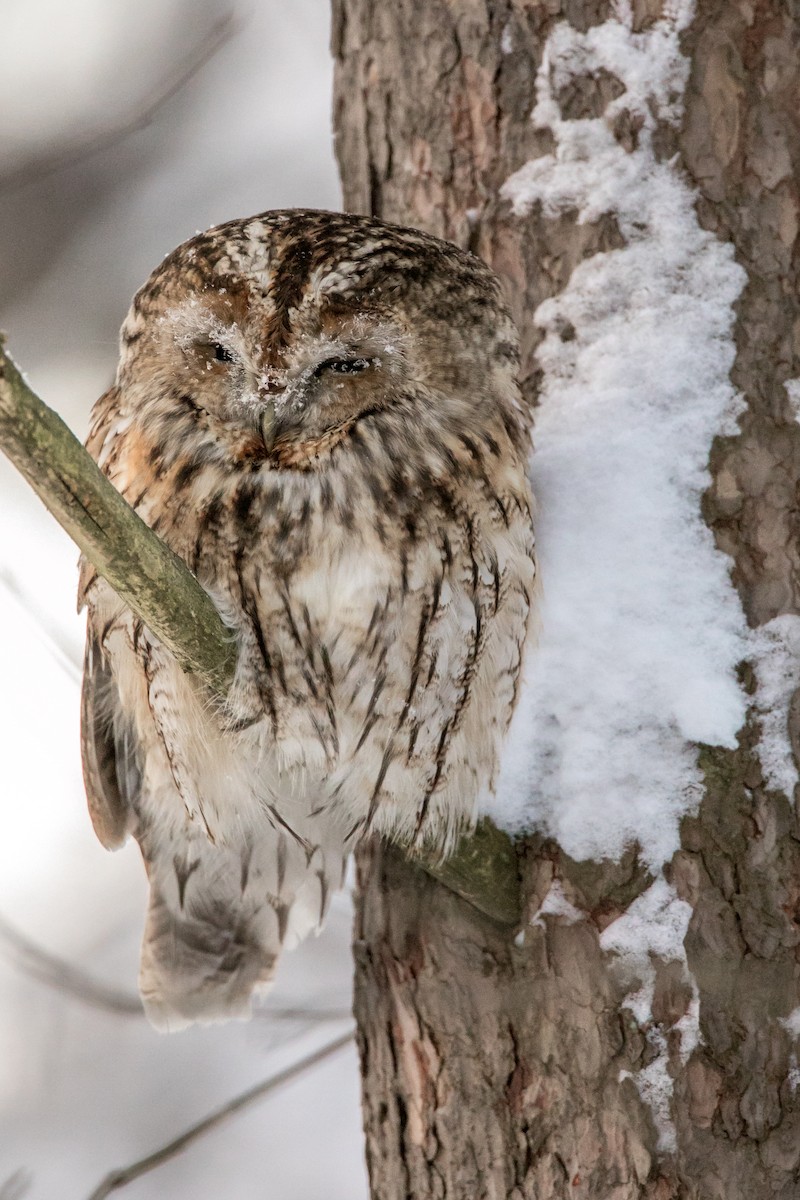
x,y
162,591
484,871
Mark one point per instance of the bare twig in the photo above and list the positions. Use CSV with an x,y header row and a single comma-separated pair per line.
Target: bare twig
x,y
125,1175
16,1185
303,1013
55,972
88,146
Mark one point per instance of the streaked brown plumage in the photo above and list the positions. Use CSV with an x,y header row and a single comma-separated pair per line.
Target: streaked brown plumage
x,y
320,413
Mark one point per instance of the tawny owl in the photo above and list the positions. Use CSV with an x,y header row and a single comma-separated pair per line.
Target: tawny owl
x,y
320,413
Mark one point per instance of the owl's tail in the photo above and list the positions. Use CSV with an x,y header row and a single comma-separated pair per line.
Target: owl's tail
x,y
217,921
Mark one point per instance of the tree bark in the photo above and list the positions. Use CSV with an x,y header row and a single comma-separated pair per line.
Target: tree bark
x,y
496,1066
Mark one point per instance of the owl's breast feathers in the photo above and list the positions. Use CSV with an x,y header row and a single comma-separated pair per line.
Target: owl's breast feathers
x,y
382,612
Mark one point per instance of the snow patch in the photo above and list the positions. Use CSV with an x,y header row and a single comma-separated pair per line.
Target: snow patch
x,y
654,927
775,650
556,904
792,1023
792,387
793,1074
654,924
641,629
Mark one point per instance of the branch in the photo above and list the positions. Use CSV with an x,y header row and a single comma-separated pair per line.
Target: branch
x,y
164,594
142,570
62,976
484,871
37,963
16,1185
125,1175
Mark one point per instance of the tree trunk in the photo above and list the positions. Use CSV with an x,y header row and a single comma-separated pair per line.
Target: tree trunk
x,y
497,1065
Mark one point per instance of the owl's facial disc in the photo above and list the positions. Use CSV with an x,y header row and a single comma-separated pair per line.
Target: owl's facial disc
x,y
299,394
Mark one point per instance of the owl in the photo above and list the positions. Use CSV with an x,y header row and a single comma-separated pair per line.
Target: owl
x,y
320,414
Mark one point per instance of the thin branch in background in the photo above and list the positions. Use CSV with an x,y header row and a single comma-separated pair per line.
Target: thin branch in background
x,y
87,146
37,963
125,1175
56,973
16,1185
303,1014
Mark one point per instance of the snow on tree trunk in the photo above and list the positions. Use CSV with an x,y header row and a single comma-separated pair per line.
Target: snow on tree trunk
x,y
629,168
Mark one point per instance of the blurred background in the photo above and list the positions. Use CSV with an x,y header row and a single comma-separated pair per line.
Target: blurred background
x,y
125,127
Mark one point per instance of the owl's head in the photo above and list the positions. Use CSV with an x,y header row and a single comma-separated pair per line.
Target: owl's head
x,y
279,334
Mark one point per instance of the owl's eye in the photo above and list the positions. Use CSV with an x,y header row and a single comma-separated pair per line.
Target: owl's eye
x,y
221,353
344,366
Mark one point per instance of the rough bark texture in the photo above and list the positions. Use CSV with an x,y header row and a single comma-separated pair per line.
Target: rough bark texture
x,y
494,1067
740,866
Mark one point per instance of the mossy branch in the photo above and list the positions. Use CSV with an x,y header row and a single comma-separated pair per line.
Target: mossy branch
x,y
143,571
162,591
483,870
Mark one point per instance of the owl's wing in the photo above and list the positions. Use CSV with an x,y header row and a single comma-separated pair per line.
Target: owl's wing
x,y
111,766
219,914
111,759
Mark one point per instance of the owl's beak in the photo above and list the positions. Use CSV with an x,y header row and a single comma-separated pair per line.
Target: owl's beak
x,y
268,426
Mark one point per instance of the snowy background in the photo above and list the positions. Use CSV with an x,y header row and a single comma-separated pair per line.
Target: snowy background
x,y
94,189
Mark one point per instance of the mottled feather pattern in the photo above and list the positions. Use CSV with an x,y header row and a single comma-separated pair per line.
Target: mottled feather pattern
x,y
320,414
